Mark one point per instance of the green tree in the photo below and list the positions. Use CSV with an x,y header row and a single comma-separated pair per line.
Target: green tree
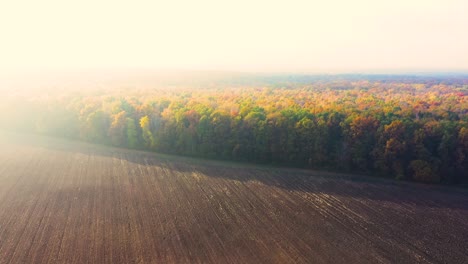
x,y
132,133
96,127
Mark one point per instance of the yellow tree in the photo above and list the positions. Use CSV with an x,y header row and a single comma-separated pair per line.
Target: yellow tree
x,y
146,132
117,129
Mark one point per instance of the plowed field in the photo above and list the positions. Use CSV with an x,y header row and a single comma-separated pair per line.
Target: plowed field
x,y
69,202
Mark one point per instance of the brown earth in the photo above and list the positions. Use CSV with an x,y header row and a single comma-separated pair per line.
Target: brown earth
x,y
69,202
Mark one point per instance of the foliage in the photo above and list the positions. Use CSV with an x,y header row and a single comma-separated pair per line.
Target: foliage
x,y
399,128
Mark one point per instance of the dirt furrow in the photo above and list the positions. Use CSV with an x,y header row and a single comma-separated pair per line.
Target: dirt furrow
x,y
79,203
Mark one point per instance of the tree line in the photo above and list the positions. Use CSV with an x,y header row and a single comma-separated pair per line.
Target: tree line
x,y
412,131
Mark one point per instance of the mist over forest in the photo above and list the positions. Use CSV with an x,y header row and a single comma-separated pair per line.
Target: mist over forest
x,y
247,131
411,127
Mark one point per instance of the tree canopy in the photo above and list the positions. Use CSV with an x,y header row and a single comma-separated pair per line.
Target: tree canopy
x,y
401,128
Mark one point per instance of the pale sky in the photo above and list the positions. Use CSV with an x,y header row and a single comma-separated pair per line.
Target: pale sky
x,y
239,35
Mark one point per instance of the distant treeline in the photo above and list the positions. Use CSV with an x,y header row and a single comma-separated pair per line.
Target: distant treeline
x,y
405,130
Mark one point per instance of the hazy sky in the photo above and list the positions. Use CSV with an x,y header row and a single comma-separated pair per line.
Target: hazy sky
x,y
241,35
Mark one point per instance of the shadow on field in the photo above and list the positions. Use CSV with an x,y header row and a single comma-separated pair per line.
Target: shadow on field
x,y
353,186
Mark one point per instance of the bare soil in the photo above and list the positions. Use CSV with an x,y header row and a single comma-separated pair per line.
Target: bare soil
x,y
69,202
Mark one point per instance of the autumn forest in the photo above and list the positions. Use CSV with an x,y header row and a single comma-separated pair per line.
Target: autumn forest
x,y
402,127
